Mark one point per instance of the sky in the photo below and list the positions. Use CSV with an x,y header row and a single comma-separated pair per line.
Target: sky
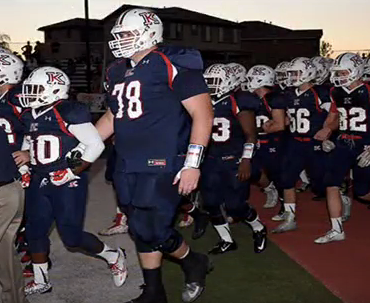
x,y
345,23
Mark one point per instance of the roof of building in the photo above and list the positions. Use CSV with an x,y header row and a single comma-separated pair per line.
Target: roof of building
x,y
76,22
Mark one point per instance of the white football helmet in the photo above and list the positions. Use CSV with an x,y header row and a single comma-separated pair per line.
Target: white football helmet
x,y
4,50
300,70
45,85
280,73
240,73
259,76
135,30
347,68
322,69
11,68
366,76
220,79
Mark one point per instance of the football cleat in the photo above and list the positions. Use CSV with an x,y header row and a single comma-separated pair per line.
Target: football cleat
x,y
272,197
119,227
200,225
281,216
288,225
330,236
186,221
346,205
260,240
195,278
37,288
223,247
119,269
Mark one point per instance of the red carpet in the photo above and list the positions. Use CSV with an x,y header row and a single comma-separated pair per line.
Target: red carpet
x,y
343,267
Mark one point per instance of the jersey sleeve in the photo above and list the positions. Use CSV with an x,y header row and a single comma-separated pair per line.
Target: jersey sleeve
x,y
73,112
247,101
189,83
333,105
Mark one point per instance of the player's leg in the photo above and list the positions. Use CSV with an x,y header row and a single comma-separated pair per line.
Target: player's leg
x,y
340,161
69,205
39,216
305,182
236,206
151,222
293,163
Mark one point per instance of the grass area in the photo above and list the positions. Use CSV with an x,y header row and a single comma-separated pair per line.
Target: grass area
x,y
242,276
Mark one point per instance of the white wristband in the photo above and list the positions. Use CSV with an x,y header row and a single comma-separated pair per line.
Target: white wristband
x,y
194,156
248,149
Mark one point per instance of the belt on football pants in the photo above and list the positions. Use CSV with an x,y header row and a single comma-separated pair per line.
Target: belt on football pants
x,y
302,139
350,137
3,183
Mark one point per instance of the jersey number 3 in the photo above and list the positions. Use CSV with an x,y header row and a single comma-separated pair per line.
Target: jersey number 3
x,y
8,128
132,93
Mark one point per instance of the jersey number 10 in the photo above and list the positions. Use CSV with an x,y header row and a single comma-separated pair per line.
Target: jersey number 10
x,y
132,93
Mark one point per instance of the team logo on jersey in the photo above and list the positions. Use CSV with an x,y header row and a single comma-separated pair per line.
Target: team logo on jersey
x,y
73,184
34,127
129,72
55,78
3,60
296,102
317,148
157,162
347,100
44,182
150,18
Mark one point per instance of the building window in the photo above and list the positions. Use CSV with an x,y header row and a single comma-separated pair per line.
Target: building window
x,y
207,34
176,31
221,37
194,29
166,30
235,35
179,31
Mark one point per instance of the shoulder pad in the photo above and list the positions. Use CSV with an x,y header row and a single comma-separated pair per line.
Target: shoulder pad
x,y
73,112
188,58
118,66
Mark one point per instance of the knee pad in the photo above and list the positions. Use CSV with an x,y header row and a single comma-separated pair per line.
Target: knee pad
x,y
172,243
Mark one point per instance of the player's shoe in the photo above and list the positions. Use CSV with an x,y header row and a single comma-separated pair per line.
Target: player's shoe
x,y
195,278
304,186
200,225
186,221
150,296
119,269
260,240
346,205
281,216
223,247
37,288
119,227
330,236
272,197
288,225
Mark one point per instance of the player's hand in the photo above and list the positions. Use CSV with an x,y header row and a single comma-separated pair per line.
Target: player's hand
x,y
266,126
244,170
328,146
25,176
74,156
364,158
323,134
63,176
21,157
189,178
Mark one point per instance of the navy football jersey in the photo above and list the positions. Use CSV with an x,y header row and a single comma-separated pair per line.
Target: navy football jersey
x,y
150,123
354,109
307,111
48,135
9,118
270,101
227,137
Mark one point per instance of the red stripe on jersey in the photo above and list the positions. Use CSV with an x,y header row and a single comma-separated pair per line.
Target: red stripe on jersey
x,y
333,107
268,108
169,68
234,106
61,121
316,100
15,110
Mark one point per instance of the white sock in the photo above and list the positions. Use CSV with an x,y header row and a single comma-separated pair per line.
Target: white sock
x,y
184,256
41,273
118,210
304,177
256,224
290,208
109,254
224,232
269,187
336,224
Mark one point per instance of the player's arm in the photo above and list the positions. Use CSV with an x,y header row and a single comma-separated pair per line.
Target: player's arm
x,y
105,126
88,135
247,120
331,122
277,123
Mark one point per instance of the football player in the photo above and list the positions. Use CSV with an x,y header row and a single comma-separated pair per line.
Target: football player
x,y
350,104
366,76
240,73
281,75
58,189
227,167
270,119
307,108
154,90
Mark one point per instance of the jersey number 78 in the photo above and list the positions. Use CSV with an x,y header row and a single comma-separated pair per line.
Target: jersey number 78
x,y
131,92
